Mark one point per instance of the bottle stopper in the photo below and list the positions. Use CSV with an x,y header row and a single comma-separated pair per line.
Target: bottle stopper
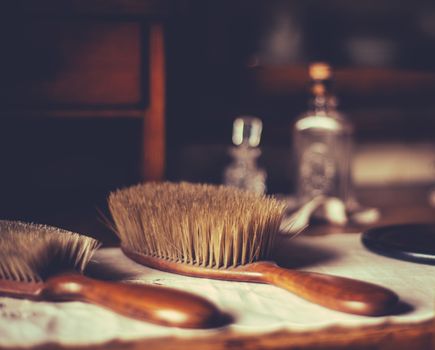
x,y
320,71
247,131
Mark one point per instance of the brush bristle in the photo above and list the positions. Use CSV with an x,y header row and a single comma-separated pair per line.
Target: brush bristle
x,y
199,224
31,252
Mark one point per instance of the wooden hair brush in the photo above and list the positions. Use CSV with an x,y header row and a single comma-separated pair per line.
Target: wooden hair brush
x,y
225,233
45,263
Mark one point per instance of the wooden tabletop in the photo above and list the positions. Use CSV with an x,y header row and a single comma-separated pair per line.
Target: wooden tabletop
x,y
404,337
397,205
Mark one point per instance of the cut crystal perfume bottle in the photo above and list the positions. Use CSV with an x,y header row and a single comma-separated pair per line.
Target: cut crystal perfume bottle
x,y
243,172
323,144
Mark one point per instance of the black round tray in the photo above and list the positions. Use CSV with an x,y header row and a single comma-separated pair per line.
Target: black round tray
x,y
412,242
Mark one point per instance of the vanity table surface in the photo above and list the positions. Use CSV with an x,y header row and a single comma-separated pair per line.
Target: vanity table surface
x,y
399,205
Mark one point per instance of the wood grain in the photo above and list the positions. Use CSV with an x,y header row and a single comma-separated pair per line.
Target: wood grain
x,y
154,123
338,293
88,59
148,8
290,79
387,337
74,62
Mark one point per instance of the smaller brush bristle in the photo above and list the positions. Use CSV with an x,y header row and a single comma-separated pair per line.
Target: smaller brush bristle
x,y
31,252
205,225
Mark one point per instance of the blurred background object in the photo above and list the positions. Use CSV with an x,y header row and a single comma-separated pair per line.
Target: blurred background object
x,y
323,144
243,171
98,95
251,57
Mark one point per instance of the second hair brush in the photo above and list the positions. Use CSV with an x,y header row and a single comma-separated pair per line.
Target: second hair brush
x,y
46,263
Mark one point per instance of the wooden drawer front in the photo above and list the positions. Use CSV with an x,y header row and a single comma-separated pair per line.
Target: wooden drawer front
x,y
71,62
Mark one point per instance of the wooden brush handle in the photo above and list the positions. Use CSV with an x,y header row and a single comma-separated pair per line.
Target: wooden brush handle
x,y
338,293
161,305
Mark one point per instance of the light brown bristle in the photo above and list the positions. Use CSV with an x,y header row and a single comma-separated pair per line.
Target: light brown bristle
x,y
199,224
31,252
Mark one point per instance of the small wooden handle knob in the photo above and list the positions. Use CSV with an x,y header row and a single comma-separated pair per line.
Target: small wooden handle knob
x,y
161,305
338,293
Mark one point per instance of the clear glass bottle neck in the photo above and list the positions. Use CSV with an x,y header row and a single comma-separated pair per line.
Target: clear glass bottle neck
x,y
323,100
319,105
245,156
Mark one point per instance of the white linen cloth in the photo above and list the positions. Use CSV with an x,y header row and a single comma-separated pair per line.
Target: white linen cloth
x,y
256,308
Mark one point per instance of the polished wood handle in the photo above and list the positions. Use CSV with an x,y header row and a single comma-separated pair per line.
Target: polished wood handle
x,y
161,305
338,293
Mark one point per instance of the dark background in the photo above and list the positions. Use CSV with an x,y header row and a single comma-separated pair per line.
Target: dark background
x,y
74,82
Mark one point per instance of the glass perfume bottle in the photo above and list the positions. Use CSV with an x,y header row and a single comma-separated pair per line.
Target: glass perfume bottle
x,y
323,144
243,172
